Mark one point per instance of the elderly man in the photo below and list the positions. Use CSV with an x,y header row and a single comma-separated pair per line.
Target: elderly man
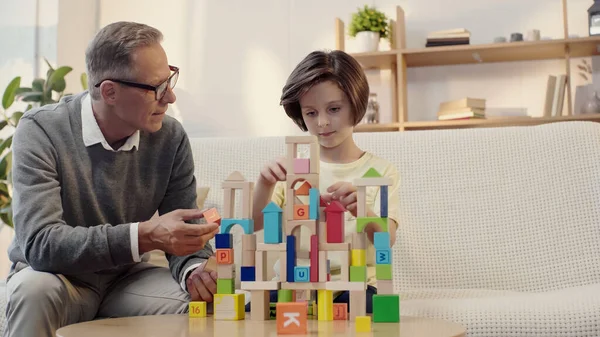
x,y
89,173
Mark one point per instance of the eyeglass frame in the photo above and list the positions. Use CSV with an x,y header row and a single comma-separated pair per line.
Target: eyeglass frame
x,y
146,86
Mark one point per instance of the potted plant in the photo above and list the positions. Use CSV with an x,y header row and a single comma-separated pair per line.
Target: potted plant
x,y
369,26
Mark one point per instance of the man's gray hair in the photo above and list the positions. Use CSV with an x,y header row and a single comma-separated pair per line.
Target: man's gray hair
x,y
109,53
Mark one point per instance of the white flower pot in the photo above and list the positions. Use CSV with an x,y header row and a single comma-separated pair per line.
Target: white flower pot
x,y
367,41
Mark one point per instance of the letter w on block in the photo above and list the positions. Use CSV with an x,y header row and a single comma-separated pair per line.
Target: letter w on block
x,y
292,317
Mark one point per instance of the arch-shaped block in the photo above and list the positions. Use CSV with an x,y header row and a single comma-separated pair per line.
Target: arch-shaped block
x,y
312,225
247,225
362,222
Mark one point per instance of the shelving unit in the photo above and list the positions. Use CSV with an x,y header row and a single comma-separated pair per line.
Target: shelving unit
x,y
398,59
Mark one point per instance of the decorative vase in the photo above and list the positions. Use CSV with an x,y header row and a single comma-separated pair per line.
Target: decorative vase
x,y
592,104
367,41
372,114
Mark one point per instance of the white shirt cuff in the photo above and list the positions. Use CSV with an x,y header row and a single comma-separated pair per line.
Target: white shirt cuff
x,y
135,248
185,275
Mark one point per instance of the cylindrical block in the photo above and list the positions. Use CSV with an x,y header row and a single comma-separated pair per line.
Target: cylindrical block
x,y
359,257
248,242
285,295
359,240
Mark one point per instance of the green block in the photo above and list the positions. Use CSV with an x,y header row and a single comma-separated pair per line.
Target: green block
x,y
285,295
358,273
372,173
362,222
225,286
273,311
386,308
383,271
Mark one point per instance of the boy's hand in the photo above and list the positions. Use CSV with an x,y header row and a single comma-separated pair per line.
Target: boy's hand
x,y
274,171
345,194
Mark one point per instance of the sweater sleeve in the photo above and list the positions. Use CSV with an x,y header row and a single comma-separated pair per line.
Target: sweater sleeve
x,y
181,194
47,242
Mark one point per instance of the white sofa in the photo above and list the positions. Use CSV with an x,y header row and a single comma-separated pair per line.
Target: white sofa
x,y
499,228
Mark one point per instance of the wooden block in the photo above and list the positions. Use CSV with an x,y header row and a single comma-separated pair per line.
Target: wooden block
x,y
325,305
315,157
273,223
271,247
224,256
259,307
359,257
225,271
228,202
292,318
229,307
301,139
314,258
211,264
358,304
383,271
340,311
297,182
313,203
290,257
301,254
381,240
292,152
361,223
225,286
260,285
301,274
334,247
285,295
300,212
197,309
349,286
301,165
322,266
381,181
385,287
303,285
383,256
289,206
223,241
235,176
302,188
246,224
358,274
361,201
386,308
309,224
335,222
248,258
212,216
283,275
363,323
248,273
359,240
322,218
345,266
384,201
298,201
247,201
236,185
261,265
273,311
249,242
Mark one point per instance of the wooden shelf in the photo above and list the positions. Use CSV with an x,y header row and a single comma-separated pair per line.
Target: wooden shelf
x,y
377,127
377,60
584,47
495,122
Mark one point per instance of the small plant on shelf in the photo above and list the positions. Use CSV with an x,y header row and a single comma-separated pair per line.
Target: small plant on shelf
x,y
369,25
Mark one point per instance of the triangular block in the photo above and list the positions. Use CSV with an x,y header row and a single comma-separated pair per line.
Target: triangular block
x,y
304,188
236,176
372,173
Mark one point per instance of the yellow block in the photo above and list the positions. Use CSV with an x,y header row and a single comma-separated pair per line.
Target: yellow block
x,y
359,257
325,305
363,324
197,309
229,307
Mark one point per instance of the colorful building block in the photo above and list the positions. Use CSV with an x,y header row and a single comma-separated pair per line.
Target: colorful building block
x,y
301,274
362,222
358,273
246,224
224,256
358,257
292,318
383,271
229,307
363,324
314,258
301,212
383,256
248,273
273,219
381,240
212,216
290,261
324,305
386,308
372,173
225,286
303,189
273,310
301,165
223,241
335,222
384,201
285,295
340,311
313,203
197,309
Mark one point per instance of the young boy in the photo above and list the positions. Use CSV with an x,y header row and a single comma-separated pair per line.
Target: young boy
x,y
327,96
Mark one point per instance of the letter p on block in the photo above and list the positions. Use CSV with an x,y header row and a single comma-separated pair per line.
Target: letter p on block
x,y
224,256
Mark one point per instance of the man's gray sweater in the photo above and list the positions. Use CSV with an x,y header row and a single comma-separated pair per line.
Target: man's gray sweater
x,y
73,205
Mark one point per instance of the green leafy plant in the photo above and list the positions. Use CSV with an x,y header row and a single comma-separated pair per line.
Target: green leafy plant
x,y
369,19
42,91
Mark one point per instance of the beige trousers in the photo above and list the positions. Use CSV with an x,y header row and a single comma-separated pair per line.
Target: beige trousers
x,y
39,303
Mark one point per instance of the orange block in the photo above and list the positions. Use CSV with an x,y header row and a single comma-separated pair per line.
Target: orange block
x,y
340,311
224,256
304,188
300,212
292,317
212,215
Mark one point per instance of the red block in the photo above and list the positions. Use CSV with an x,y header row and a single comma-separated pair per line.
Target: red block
x,y
314,258
335,222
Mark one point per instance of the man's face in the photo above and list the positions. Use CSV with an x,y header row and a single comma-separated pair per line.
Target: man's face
x,y
138,108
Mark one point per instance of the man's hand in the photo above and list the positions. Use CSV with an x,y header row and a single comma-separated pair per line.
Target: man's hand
x,y
202,284
345,194
171,234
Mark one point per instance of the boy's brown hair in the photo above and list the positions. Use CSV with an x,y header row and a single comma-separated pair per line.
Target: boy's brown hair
x,y
319,66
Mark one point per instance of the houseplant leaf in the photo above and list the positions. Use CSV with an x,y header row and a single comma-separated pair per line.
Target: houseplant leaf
x,y
56,81
9,94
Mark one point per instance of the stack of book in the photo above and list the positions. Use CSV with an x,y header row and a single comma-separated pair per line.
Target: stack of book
x,y
450,37
466,108
555,95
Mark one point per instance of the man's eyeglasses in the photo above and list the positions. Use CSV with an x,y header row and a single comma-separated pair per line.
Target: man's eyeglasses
x,y
159,90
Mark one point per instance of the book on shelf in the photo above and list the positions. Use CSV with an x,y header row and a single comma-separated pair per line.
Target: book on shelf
x,y
463,108
465,113
451,37
467,102
555,95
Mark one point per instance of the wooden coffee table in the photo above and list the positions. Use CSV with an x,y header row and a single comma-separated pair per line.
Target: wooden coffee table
x,y
183,326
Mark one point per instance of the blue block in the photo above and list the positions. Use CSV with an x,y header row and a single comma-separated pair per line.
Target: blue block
x,y
383,256
313,203
247,225
290,257
248,273
384,202
381,240
273,229
301,274
224,241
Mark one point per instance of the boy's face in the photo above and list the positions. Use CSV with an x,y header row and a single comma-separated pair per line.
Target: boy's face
x,y
327,114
